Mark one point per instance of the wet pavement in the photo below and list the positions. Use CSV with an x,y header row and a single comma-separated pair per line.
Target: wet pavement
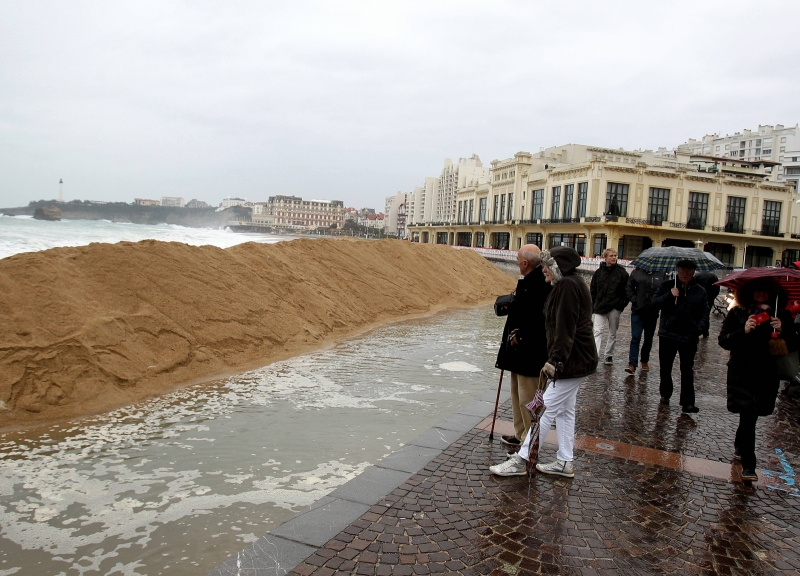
x,y
655,491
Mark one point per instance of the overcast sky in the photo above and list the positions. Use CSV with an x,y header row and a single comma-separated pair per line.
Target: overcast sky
x,y
359,100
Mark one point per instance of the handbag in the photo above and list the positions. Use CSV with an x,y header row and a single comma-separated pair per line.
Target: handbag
x,y
787,366
502,304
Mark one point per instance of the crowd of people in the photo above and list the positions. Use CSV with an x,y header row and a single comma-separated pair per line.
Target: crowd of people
x,y
555,329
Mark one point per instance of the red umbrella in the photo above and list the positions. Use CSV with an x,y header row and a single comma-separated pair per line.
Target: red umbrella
x,y
787,278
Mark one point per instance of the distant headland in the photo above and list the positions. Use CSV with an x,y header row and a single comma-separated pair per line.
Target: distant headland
x,y
204,217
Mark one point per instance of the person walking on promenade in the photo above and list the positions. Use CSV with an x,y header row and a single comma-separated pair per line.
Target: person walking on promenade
x,y
683,318
752,378
707,280
523,350
608,300
642,286
571,358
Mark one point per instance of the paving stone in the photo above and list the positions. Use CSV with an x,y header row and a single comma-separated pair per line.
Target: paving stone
x,y
371,485
319,525
409,458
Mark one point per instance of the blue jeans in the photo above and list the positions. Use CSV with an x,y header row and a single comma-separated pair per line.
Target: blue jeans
x,y
641,323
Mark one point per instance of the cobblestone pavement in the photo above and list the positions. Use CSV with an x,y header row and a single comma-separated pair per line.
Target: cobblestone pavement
x,y
622,515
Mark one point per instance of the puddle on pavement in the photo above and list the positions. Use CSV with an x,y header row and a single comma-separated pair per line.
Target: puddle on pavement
x,y
178,484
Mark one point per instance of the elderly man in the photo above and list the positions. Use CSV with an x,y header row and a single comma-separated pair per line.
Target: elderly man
x,y
571,358
683,320
523,350
609,300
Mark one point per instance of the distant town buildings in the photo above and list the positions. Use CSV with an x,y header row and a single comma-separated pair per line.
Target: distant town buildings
x,y
146,202
194,203
396,209
294,212
230,202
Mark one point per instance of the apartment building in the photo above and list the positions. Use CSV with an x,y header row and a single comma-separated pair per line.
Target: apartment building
x,y
591,198
466,172
172,201
779,144
294,212
396,212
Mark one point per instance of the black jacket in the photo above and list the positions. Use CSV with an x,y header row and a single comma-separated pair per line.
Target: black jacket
x,y
707,280
526,316
641,288
685,320
608,288
568,321
752,378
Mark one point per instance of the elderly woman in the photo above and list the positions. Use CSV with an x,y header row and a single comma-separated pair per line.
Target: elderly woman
x,y
752,377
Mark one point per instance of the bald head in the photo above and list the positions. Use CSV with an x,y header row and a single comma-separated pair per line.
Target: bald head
x,y
528,258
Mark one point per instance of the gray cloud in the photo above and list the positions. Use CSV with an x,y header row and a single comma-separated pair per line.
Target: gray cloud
x,y
356,100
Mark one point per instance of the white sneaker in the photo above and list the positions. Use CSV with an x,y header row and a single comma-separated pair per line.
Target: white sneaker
x,y
559,468
514,466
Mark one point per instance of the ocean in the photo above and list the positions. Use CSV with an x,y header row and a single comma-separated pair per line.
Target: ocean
x,y
24,234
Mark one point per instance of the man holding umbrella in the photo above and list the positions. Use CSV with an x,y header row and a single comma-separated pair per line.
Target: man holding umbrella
x,y
683,320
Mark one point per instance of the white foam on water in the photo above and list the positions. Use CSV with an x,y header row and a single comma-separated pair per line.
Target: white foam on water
x,y
459,367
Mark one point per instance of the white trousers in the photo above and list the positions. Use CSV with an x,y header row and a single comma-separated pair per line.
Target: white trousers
x,y
600,321
559,401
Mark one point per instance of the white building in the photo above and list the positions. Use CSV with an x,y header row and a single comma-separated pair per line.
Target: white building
x,y
146,202
467,172
172,201
396,210
230,202
777,143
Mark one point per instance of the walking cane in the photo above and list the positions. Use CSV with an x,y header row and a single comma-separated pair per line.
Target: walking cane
x,y
496,402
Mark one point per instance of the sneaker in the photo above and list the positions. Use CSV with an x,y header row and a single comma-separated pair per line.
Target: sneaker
x,y
631,369
608,361
645,367
559,468
510,441
749,475
514,466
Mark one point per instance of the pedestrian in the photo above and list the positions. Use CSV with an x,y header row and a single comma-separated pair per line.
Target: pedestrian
x,y
752,377
571,358
683,319
642,286
523,350
707,280
608,300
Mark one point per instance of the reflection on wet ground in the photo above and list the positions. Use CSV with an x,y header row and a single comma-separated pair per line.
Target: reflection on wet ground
x,y
178,484
649,495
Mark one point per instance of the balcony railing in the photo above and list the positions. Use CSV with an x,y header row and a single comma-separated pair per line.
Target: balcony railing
x,y
731,228
561,221
646,221
612,218
590,219
773,233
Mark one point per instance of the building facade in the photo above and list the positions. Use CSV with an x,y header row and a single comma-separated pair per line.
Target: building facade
x,y
778,144
294,212
172,201
592,198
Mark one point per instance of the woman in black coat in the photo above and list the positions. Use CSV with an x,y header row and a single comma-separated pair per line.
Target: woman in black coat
x,y
752,376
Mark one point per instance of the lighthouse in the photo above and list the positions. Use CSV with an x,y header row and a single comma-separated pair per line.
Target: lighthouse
x,y
61,190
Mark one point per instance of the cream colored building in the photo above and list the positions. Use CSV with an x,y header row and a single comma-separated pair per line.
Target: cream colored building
x,y
591,198
294,212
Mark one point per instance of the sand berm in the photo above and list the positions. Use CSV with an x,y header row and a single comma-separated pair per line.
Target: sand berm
x,y
87,329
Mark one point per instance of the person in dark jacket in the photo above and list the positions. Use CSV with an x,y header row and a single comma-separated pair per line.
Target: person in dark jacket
x,y
707,280
571,358
608,300
752,378
642,286
523,350
683,318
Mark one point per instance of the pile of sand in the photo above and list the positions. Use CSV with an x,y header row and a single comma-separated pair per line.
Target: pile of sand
x,y
86,329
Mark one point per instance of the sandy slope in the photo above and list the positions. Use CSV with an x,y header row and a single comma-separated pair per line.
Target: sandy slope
x,y
90,328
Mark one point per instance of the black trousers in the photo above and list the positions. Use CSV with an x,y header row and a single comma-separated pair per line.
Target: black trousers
x,y
745,440
667,349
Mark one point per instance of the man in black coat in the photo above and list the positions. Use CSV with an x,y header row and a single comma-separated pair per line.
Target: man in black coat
x,y
683,320
523,350
608,301
642,286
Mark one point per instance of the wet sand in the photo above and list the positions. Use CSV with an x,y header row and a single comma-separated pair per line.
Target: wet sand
x,y
91,328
